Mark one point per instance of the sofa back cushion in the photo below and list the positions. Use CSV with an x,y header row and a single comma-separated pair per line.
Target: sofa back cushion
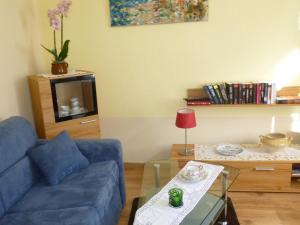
x,y
58,158
1,209
16,137
16,181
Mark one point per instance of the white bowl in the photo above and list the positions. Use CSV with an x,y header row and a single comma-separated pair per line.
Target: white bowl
x,y
74,104
74,99
65,108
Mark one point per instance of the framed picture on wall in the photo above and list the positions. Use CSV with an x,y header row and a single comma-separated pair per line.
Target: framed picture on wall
x,y
142,12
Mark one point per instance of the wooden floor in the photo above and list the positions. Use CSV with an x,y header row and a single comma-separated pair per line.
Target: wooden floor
x,y
251,208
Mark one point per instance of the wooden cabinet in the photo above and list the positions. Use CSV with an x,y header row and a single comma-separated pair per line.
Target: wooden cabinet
x,y
258,176
46,104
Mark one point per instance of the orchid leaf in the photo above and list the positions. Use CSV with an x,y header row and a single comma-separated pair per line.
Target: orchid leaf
x,y
64,51
53,52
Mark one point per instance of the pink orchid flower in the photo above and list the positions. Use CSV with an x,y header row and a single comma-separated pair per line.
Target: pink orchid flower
x,y
53,13
64,6
55,24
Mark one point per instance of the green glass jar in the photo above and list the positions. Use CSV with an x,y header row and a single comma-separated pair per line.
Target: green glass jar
x,y
176,197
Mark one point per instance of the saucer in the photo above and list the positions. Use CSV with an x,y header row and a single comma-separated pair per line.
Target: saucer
x,y
202,175
229,149
63,114
78,111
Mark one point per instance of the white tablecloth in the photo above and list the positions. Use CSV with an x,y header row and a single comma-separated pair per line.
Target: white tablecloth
x,y
157,210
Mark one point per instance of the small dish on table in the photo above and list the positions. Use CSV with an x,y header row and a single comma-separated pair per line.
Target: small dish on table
x,y
229,149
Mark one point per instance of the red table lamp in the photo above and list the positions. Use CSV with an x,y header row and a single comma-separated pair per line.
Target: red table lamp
x,y
186,119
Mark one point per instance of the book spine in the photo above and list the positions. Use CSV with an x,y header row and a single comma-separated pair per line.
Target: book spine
x,y
273,94
235,93
254,94
262,93
261,85
229,91
266,93
287,100
247,94
243,94
193,103
213,94
250,88
269,93
258,93
240,94
222,88
218,93
208,94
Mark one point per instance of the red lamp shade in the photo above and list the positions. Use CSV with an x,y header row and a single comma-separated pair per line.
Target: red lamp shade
x,y
185,118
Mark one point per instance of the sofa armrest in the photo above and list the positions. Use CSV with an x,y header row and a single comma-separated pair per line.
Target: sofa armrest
x,y
104,150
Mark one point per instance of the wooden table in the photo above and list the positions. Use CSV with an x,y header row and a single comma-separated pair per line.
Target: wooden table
x,y
257,176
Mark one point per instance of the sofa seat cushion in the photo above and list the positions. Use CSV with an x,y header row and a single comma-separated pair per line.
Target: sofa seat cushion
x,y
93,186
16,181
74,216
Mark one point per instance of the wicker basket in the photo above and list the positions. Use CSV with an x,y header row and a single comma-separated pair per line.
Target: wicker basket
x,y
275,141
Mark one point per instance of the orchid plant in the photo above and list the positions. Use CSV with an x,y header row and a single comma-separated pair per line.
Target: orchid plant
x,y
56,18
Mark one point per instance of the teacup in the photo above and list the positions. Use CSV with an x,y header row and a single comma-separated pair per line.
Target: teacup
x,y
193,171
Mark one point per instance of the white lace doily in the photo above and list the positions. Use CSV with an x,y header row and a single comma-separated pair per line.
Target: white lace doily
x,y
254,152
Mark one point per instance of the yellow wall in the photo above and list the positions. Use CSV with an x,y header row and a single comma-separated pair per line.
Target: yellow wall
x,y
19,57
144,71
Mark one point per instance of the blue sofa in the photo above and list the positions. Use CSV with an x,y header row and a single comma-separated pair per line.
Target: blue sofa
x,y
92,196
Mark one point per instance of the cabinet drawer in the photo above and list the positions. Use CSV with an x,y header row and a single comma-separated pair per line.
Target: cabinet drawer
x,y
258,176
86,127
262,176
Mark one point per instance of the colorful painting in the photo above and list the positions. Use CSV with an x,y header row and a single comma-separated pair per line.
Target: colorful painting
x,y
140,12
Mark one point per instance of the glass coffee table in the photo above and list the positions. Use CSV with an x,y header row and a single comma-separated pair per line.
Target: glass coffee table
x,y
208,210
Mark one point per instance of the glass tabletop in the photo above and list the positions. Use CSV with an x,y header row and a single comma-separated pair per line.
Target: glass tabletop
x,y
158,173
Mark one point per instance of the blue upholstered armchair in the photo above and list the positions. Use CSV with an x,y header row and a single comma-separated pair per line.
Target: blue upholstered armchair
x,y
91,196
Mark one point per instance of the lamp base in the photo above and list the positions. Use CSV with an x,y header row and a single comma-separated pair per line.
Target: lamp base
x,y
188,152
222,222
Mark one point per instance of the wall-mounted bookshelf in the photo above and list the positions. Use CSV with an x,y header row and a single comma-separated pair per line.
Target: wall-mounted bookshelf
x,y
287,96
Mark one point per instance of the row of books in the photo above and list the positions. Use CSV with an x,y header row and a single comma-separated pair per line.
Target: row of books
x,y
241,93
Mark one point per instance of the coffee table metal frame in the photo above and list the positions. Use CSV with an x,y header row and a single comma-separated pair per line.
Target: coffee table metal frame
x,y
220,203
